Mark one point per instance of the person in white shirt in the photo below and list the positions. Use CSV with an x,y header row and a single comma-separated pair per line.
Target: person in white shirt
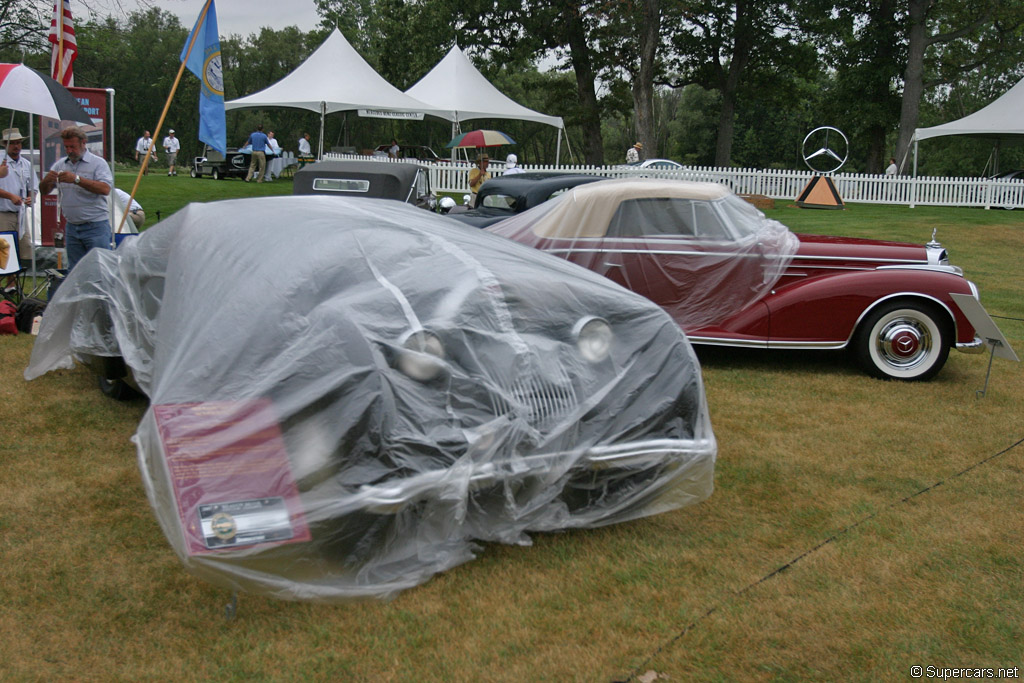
x,y
18,186
633,153
274,165
273,147
171,147
891,170
511,165
143,145
304,149
135,210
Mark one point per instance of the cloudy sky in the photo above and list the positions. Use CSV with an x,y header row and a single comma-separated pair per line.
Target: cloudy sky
x,y
241,17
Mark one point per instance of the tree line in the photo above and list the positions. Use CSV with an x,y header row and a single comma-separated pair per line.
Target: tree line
x,y
704,82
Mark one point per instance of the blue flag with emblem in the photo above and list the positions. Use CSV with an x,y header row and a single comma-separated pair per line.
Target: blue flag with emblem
x,y
201,56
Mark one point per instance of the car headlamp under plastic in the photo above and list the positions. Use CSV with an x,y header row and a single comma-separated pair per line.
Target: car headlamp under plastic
x,y
594,338
422,355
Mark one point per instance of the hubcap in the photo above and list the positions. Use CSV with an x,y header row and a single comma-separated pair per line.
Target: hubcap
x,y
904,343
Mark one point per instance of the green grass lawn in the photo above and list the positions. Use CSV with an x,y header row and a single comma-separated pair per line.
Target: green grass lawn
x,y
858,528
162,195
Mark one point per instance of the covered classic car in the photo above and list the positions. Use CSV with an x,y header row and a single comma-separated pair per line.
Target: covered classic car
x,y
730,276
375,179
505,196
346,421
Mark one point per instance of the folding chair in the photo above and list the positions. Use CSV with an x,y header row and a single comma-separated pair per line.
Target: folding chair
x,y
12,273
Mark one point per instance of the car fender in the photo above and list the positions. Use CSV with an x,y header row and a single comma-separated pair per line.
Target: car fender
x,y
824,312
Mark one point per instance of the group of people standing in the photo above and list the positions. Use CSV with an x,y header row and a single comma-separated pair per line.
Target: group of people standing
x,y
144,146
262,144
83,181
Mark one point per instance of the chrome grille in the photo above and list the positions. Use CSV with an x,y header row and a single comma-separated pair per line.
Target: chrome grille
x,y
541,400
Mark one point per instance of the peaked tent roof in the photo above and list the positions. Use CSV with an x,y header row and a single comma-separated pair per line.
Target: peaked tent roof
x,y
454,85
334,78
1001,119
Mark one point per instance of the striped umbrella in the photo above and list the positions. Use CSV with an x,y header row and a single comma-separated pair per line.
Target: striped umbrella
x,y
480,138
25,89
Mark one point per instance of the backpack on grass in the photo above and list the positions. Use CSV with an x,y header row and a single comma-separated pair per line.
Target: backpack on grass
x,y
28,309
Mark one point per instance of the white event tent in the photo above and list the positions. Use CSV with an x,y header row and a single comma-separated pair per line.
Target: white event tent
x,y
1000,121
455,86
336,78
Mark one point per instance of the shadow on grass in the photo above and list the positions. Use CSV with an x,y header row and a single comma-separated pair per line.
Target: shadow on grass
x,y
790,361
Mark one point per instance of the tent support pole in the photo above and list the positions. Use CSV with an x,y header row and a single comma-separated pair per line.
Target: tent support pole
x,y
913,183
558,149
323,113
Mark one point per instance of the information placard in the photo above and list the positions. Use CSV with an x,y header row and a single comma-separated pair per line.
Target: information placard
x,y
232,479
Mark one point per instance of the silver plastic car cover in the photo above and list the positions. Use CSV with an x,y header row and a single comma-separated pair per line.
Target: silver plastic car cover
x,y
696,249
346,394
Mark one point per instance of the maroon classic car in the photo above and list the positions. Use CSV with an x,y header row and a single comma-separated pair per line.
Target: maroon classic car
x,y
732,277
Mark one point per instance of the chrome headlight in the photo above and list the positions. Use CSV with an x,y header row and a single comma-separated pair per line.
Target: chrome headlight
x,y
594,338
422,355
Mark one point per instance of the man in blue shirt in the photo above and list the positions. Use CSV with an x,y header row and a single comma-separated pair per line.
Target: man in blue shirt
x,y
258,140
83,181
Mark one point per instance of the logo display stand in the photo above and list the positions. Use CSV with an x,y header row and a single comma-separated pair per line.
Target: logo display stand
x,y
820,192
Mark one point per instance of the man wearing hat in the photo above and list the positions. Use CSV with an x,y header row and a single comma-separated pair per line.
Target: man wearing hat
x,y
18,186
171,146
478,175
633,153
511,165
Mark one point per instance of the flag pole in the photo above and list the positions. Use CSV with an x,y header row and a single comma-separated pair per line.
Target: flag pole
x,y
163,114
60,41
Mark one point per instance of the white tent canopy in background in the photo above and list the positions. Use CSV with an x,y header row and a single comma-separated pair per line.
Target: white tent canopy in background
x,y
332,79
1002,120
454,85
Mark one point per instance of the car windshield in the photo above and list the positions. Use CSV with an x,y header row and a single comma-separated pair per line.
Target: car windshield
x,y
499,201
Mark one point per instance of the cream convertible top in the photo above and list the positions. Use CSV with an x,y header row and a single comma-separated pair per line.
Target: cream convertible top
x,y
696,249
602,200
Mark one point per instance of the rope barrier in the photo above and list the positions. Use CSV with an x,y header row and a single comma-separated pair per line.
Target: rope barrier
x,y
842,532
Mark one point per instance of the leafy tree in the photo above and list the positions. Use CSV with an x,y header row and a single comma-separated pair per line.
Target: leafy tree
x,y
731,46
947,39
888,55
138,58
23,27
862,95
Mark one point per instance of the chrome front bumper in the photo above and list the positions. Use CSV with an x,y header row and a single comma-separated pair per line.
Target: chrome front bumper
x,y
467,476
976,345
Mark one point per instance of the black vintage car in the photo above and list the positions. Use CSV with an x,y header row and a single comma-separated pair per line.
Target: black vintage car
x,y
345,394
405,182
235,164
507,195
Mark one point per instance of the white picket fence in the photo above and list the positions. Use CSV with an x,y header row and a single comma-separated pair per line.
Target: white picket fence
x,y
778,184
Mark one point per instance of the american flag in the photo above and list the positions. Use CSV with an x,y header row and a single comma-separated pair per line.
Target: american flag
x,y
65,49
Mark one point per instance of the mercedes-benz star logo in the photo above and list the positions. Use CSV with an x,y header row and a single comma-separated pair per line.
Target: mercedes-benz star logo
x,y
831,148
